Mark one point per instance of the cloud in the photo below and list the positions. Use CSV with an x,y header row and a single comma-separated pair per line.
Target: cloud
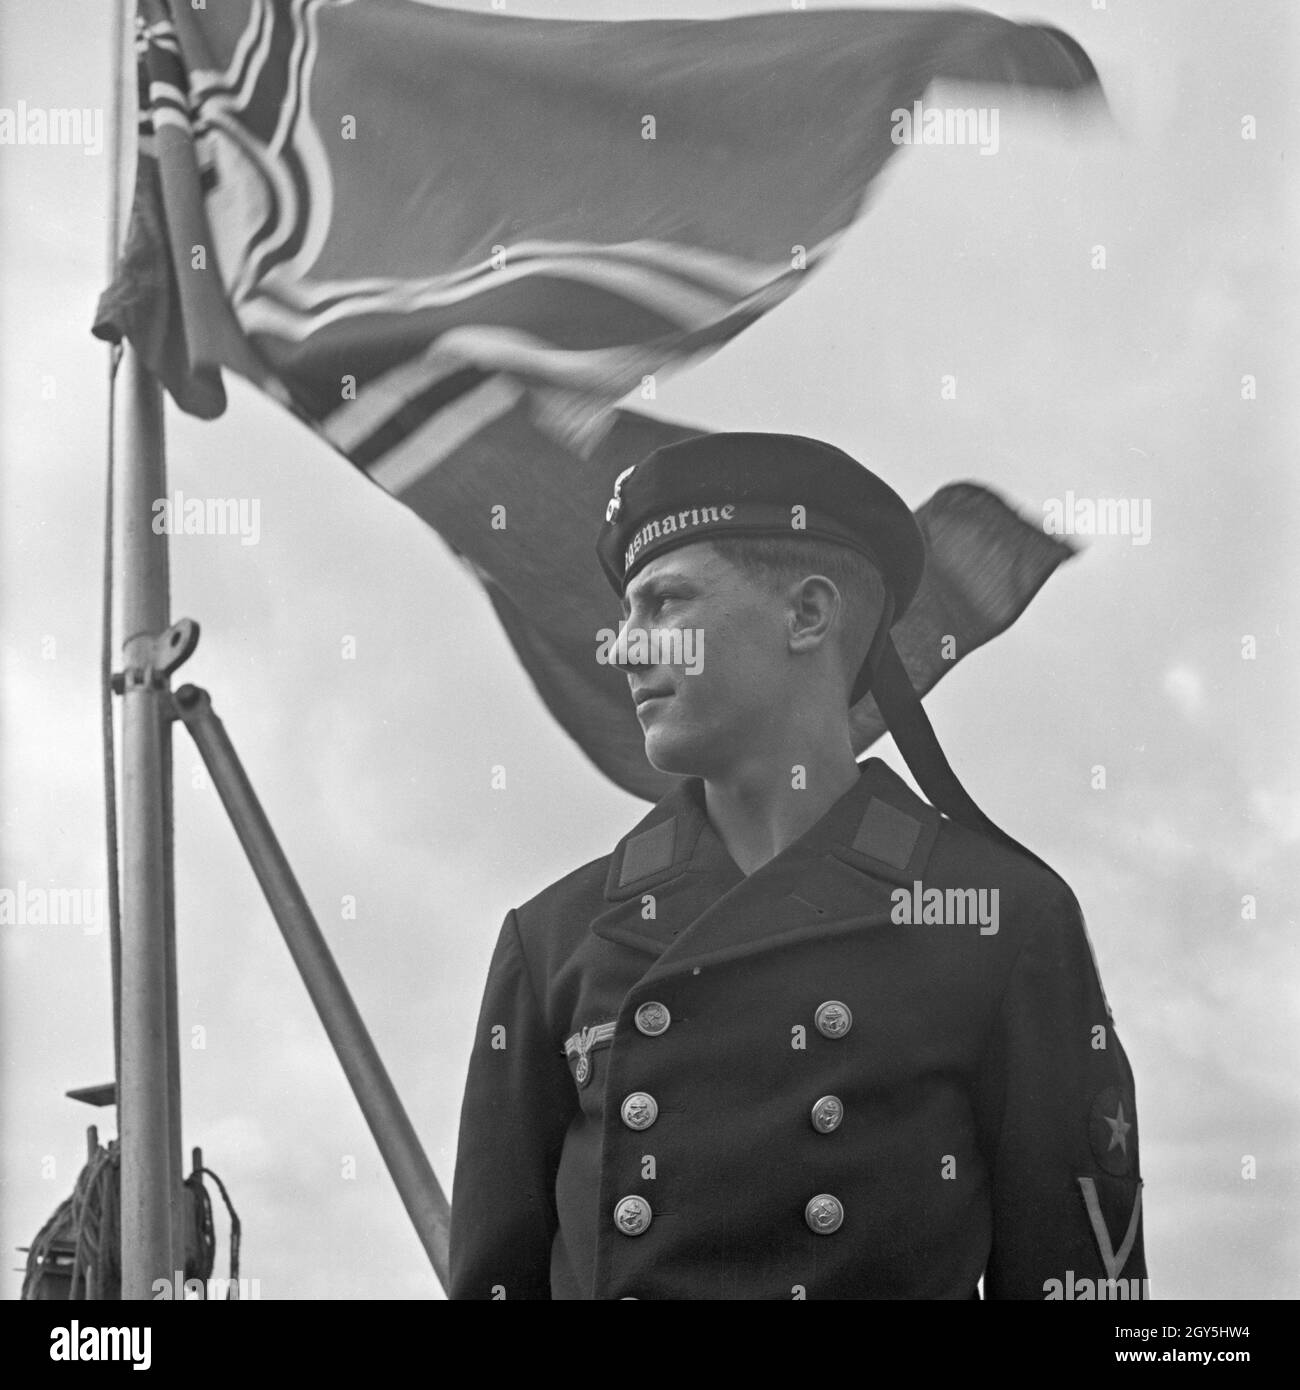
x,y
1186,690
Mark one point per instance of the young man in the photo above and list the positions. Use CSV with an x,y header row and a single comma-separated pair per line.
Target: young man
x,y
800,1035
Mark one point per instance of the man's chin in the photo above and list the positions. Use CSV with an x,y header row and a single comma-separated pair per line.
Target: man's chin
x,y
676,755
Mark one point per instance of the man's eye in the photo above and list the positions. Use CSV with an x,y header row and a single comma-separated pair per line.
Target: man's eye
x,y
653,602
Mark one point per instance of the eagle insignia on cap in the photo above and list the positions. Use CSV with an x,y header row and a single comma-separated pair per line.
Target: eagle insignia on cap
x,y
616,502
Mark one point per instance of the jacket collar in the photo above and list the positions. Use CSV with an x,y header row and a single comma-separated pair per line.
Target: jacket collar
x,y
665,872
674,890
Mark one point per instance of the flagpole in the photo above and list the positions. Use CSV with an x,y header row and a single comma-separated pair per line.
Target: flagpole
x,y
148,1096
144,1085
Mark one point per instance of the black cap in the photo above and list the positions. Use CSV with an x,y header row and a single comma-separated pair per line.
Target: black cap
x,y
778,485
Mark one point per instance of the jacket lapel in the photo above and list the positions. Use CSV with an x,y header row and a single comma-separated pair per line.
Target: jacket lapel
x,y
665,873
838,876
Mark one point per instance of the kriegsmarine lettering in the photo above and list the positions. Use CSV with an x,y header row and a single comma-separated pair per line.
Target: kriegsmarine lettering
x,y
673,523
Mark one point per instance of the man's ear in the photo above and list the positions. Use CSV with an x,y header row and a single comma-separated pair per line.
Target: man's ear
x,y
812,605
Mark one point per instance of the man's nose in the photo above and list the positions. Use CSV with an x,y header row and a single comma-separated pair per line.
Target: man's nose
x,y
627,652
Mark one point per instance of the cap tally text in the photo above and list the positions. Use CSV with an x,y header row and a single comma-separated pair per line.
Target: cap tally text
x,y
674,523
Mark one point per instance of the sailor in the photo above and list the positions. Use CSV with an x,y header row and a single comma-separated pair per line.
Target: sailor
x,y
803,1034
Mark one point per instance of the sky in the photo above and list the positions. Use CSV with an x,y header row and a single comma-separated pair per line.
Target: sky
x,y
1163,377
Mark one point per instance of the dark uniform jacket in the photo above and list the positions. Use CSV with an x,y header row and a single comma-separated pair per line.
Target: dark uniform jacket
x,y
688,1083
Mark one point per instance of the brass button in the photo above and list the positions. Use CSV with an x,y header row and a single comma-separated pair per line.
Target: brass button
x,y
824,1214
828,1114
639,1110
833,1019
632,1215
653,1018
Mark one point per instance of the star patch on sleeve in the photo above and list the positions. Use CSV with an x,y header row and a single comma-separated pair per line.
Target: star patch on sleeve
x,y
1112,1131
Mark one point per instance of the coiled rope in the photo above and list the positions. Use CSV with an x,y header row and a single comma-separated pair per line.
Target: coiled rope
x,y
81,1241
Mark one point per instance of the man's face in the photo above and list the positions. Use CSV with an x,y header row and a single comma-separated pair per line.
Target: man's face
x,y
702,722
